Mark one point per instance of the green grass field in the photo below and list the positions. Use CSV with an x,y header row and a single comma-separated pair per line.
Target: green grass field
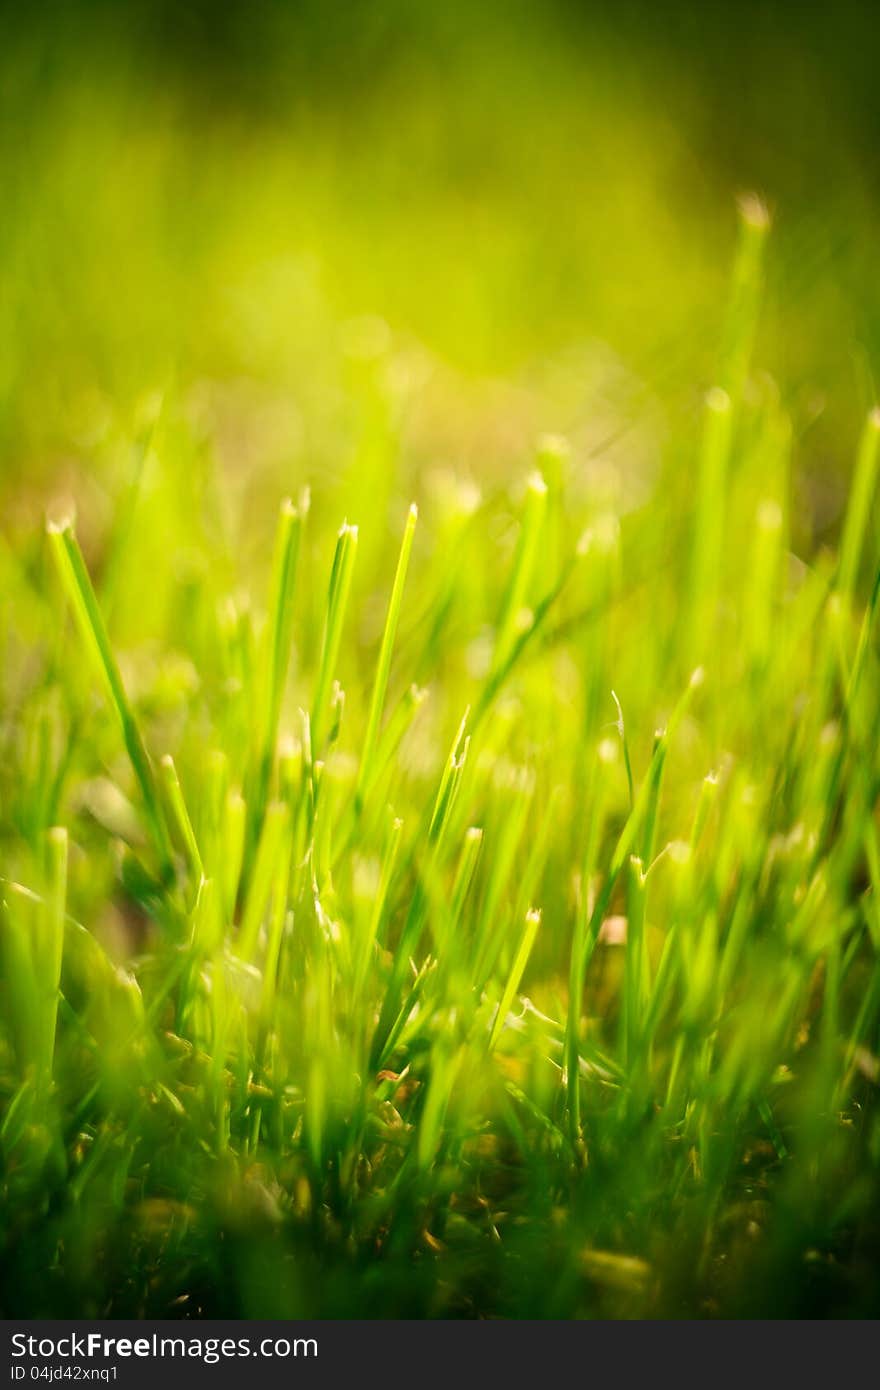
x,y
439,690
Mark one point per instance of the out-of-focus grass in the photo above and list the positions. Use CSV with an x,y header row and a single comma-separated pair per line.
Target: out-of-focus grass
x,y
439,944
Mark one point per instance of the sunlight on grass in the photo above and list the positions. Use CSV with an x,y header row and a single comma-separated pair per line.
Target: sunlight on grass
x,y
439,859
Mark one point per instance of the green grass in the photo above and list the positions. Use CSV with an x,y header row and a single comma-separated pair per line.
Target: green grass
x,y
490,929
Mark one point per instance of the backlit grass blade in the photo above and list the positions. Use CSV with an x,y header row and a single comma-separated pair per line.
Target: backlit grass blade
x,y
745,296
337,601
81,596
383,665
449,784
636,982
621,729
374,923
25,997
53,943
516,595
706,800
260,887
763,579
502,668
507,834
174,792
709,521
864,487
277,642
284,569
234,829
520,960
583,933
862,647
447,794
467,864
446,1069
277,922
642,818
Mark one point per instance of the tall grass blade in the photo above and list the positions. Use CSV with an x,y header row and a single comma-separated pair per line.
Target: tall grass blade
x,y
383,665
81,596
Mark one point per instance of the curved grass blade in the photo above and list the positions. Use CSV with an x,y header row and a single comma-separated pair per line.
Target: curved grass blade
x,y
81,596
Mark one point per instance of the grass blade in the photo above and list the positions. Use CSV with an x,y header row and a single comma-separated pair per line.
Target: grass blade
x,y
337,600
81,596
383,666
520,960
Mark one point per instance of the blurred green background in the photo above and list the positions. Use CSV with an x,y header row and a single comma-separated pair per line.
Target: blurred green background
x,y
524,209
